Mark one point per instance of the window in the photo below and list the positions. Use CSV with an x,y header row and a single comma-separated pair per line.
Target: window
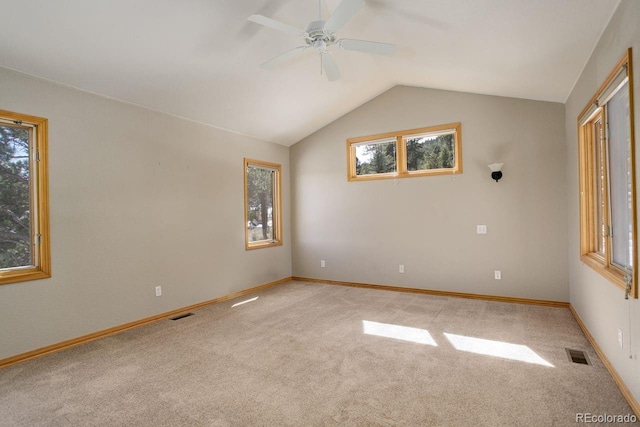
x,y
24,204
607,180
262,204
418,152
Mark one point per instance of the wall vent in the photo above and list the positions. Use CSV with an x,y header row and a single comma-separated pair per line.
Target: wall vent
x,y
182,316
578,356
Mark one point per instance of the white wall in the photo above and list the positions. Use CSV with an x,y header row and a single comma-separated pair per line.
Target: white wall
x,y
138,199
364,230
600,304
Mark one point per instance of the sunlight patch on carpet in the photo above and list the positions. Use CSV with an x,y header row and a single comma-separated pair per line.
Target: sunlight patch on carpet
x,y
404,333
244,302
505,350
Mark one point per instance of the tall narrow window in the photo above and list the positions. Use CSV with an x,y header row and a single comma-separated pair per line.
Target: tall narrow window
x,y
24,212
263,221
607,180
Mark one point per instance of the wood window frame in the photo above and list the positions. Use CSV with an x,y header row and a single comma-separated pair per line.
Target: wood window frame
x,y
277,205
589,235
40,244
401,156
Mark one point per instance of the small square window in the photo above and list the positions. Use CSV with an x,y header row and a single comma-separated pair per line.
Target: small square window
x,y
431,151
376,157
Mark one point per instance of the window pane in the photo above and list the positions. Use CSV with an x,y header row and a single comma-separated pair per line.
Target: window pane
x,y
376,157
260,195
430,152
15,198
599,185
620,178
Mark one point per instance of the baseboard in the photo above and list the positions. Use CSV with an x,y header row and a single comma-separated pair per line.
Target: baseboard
x,y
439,293
116,329
616,377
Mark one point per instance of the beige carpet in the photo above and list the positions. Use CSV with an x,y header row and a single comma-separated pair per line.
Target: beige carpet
x,y
299,355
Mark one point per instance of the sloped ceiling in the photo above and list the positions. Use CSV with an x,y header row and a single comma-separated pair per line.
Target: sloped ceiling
x,y
199,59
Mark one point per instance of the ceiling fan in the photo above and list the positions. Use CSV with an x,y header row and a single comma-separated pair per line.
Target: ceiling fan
x,y
320,34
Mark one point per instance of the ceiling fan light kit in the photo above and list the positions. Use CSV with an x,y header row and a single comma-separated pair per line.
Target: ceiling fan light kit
x,y
320,35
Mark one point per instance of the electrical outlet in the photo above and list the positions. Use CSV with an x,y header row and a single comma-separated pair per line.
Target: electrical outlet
x,y
158,291
401,268
322,263
481,229
497,274
620,338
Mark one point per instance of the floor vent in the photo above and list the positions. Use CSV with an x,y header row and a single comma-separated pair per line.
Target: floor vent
x,y
182,316
578,356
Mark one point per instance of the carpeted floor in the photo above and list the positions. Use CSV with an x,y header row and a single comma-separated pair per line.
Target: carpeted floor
x,y
309,354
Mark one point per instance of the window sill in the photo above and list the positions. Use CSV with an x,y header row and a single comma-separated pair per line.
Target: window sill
x,y
22,275
260,245
409,174
612,274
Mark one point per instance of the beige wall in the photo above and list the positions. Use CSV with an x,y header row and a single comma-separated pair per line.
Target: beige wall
x,y
364,230
600,304
138,199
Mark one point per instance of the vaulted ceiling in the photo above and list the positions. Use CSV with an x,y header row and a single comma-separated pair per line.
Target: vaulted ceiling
x,y
199,59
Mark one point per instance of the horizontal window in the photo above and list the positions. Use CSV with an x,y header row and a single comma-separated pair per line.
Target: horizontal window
x,y
435,150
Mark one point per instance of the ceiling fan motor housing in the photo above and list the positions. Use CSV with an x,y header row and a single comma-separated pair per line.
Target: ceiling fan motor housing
x,y
318,37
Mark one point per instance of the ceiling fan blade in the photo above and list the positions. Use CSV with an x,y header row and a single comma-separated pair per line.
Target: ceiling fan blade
x,y
281,58
277,25
367,46
330,67
324,9
346,10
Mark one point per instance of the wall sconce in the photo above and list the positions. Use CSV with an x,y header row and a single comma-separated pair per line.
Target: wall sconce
x,y
495,171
